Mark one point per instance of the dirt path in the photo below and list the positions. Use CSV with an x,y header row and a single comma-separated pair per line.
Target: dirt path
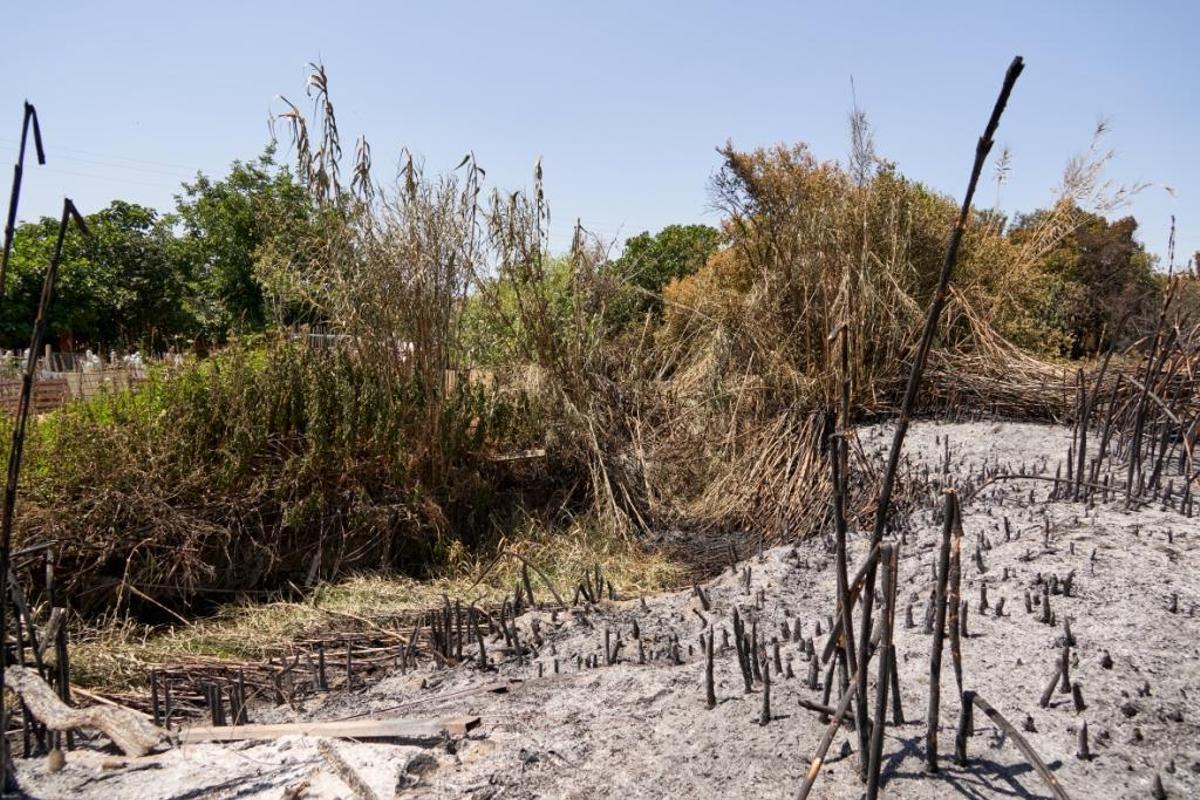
x,y
642,730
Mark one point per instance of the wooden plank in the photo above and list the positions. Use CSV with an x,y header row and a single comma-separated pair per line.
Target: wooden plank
x,y
405,731
459,726
361,789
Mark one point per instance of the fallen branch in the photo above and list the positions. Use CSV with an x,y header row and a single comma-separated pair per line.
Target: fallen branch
x,y
1023,745
128,730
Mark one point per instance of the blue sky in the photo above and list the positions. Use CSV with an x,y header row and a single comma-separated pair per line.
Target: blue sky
x,y
625,101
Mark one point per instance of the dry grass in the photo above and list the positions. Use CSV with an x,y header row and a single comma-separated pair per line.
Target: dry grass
x,y
117,655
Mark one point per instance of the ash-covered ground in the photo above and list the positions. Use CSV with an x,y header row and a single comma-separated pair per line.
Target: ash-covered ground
x,y
643,730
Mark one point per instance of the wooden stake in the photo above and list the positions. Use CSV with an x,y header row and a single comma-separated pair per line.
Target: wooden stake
x,y
894,672
966,727
949,505
1083,752
709,686
1049,690
154,705
888,557
766,694
1065,670
954,595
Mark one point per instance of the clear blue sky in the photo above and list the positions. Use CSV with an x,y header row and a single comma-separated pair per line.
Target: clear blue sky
x,y
625,101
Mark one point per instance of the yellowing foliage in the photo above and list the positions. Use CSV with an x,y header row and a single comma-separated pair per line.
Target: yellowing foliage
x,y
811,248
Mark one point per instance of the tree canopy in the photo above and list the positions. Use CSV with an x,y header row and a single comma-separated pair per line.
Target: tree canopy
x,y
224,226
154,280
145,279
651,261
120,283
1098,278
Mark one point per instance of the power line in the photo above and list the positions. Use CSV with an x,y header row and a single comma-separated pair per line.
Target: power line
x,y
54,148
112,165
107,178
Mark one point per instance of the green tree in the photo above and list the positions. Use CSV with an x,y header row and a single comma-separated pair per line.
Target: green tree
x,y
127,267
1098,276
225,225
649,262
117,286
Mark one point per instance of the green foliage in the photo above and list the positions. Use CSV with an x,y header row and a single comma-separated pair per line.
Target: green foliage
x,y
650,262
260,466
118,285
226,225
1096,278
142,279
493,331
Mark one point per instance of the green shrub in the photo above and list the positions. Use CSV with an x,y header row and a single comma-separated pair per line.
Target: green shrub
x,y
264,466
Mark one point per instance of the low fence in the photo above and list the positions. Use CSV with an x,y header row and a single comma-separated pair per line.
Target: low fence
x,y
66,376
48,394
52,390
85,385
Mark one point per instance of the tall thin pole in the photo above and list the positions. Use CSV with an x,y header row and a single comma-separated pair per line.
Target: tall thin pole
x,y
889,557
982,148
949,510
839,456
69,213
883,505
29,121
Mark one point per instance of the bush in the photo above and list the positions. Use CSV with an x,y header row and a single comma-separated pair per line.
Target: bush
x,y
263,466
649,262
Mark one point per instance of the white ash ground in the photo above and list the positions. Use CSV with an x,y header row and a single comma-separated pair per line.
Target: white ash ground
x,y
632,730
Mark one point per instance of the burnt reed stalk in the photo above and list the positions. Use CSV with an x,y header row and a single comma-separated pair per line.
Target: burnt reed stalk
x,y
888,555
894,676
1153,366
838,715
954,594
709,685
939,630
29,121
883,504
69,214
1089,403
839,468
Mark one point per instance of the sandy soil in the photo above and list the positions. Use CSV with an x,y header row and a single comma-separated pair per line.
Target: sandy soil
x,y
631,730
